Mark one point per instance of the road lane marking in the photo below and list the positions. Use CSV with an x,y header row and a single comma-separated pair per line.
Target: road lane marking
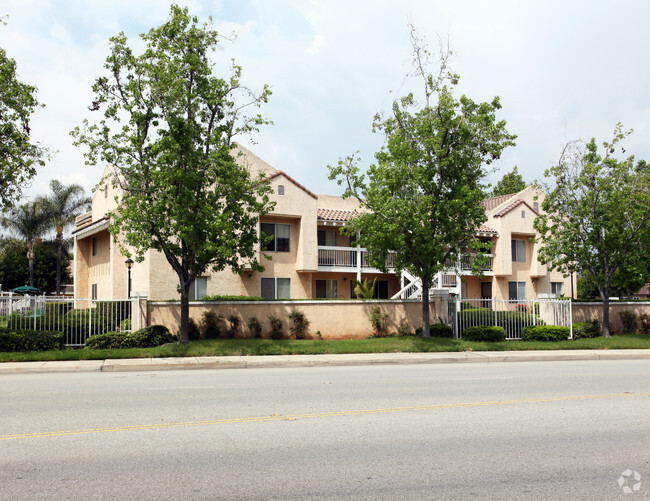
x,y
293,417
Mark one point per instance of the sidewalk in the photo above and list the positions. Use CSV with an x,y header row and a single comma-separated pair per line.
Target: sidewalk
x,y
275,361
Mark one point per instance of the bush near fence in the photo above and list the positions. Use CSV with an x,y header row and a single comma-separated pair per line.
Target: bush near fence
x,y
437,330
30,340
487,333
545,333
511,321
586,330
149,337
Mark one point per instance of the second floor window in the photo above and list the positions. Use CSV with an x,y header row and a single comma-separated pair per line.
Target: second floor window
x,y
327,237
519,251
280,236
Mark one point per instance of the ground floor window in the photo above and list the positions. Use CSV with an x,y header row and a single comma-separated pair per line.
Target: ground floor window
x,y
381,289
93,292
327,289
199,288
276,288
556,288
517,291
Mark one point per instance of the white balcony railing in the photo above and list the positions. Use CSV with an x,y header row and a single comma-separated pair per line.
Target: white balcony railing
x,y
348,257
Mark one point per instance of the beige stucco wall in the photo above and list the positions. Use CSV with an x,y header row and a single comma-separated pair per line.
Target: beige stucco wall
x,y
583,312
334,319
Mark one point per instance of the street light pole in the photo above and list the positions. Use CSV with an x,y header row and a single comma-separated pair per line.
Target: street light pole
x,y
129,265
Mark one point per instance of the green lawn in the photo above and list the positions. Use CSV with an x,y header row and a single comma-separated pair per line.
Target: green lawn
x,y
290,347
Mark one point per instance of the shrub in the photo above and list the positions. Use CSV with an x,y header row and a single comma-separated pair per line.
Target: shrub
x,y
234,325
437,330
300,324
153,335
586,330
109,341
545,333
194,333
512,321
30,340
489,333
644,323
404,329
629,321
379,322
255,326
276,327
210,325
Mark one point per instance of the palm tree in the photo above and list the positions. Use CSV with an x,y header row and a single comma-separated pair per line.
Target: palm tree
x,y
62,206
28,222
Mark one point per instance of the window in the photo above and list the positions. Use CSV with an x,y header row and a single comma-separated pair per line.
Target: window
x,y
276,288
523,214
93,292
518,250
556,288
327,237
281,236
199,288
94,246
517,291
536,206
280,189
327,289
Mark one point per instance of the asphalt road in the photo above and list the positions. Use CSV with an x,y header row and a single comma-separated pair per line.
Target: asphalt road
x,y
534,430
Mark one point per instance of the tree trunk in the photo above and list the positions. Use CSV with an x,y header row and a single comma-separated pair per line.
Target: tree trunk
x,y
59,255
30,259
604,295
185,313
426,332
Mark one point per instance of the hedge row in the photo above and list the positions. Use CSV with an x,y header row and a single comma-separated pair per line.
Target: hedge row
x,y
151,336
489,333
30,340
545,333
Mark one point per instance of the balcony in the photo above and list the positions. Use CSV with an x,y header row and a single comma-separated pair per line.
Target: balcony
x,y
465,265
350,259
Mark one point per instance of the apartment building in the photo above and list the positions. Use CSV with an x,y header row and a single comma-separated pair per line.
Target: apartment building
x,y
310,258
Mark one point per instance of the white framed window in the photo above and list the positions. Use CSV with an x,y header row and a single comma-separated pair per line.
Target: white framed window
x,y
327,238
199,288
556,288
275,288
517,291
281,236
518,250
327,289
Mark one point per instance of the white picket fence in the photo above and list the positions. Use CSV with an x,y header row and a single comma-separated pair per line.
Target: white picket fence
x,y
512,315
78,319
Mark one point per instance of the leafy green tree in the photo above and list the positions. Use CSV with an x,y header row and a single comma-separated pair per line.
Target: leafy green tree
x,y
62,206
29,223
19,156
596,218
14,265
511,182
168,130
425,189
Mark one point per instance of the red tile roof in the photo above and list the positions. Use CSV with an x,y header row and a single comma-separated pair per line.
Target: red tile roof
x,y
512,206
336,214
486,229
493,202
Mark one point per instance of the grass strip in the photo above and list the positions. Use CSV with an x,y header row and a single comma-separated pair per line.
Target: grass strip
x,y
407,344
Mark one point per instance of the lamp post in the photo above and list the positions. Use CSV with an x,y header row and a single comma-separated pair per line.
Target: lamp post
x,y
129,265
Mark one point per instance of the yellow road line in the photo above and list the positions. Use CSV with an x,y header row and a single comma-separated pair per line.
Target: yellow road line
x,y
292,417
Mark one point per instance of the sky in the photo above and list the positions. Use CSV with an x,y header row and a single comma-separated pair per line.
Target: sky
x,y
563,70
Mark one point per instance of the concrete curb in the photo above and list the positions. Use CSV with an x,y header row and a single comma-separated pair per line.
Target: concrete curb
x,y
286,361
